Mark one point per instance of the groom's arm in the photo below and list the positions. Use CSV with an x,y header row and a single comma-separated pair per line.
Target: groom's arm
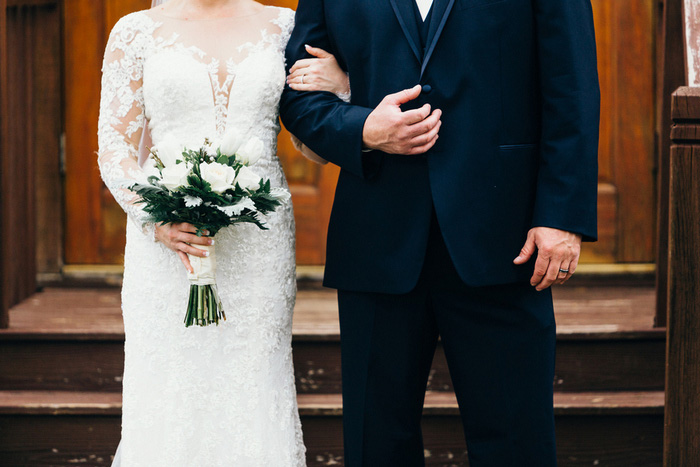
x,y
566,200
326,124
568,174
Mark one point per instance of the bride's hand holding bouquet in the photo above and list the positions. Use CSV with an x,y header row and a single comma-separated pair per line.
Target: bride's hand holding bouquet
x,y
191,194
180,238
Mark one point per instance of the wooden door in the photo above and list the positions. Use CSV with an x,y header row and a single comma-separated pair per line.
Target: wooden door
x,y
94,232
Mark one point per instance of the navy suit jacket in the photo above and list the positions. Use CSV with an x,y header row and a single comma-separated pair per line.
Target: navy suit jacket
x,y
517,83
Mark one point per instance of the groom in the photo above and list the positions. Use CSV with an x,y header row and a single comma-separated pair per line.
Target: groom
x,y
491,157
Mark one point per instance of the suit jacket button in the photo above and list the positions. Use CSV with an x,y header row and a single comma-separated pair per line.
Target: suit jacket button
x,y
427,89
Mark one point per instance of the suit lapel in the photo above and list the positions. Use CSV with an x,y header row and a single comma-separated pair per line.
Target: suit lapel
x,y
441,11
404,13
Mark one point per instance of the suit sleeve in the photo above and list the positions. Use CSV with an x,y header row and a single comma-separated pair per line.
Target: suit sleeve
x,y
327,125
568,169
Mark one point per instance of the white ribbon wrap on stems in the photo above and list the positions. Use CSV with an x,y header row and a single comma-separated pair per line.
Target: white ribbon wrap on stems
x,y
204,268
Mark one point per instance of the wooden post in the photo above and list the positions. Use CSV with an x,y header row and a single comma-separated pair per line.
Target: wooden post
x,y
4,292
682,425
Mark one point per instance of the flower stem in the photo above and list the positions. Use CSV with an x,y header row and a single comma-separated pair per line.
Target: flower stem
x,y
200,305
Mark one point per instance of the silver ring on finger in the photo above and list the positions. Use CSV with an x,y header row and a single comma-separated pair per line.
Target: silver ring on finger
x,y
565,271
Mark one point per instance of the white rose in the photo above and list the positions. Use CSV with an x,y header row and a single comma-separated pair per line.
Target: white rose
x,y
247,179
250,151
219,176
169,151
231,142
175,176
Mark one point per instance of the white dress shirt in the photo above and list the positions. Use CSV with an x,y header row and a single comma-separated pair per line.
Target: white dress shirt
x,y
424,7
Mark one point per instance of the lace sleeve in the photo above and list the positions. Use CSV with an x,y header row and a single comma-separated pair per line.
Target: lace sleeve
x,y
285,21
122,116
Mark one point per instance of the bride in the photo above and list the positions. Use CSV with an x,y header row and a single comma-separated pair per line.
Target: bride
x,y
218,395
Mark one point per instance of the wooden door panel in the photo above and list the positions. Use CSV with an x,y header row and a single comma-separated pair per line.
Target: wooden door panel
x,y
626,63
84,41
634,139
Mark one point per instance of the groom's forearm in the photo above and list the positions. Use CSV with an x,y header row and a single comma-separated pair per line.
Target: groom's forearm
x,y
331,129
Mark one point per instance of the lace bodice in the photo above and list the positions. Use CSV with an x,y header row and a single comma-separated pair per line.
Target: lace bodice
x,y
192,80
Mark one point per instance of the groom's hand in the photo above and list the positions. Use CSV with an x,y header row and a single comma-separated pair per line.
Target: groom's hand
x,y
557,255
391,130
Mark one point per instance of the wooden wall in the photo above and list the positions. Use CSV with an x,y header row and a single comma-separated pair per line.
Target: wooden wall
x,y
31,184
94,224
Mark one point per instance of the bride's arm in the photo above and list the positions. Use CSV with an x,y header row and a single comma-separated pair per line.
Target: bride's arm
x,y
318,74
120,127
121,121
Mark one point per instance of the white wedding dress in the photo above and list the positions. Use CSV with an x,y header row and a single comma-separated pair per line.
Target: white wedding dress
x,y
211,396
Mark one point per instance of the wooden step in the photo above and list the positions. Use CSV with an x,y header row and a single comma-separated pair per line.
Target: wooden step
x,y
65,428
615,362
67,339
585,361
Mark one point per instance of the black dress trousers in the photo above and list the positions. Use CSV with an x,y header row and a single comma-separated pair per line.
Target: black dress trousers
x,y
499,343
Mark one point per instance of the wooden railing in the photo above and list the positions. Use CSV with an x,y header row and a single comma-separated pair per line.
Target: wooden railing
x,y
682,433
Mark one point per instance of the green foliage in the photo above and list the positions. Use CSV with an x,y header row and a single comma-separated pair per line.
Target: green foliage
x,y
169,206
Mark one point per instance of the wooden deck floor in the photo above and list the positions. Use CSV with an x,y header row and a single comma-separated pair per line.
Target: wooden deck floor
x,y
95,312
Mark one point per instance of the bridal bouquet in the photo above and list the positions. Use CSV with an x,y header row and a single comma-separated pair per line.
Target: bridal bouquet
x,y
210,188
